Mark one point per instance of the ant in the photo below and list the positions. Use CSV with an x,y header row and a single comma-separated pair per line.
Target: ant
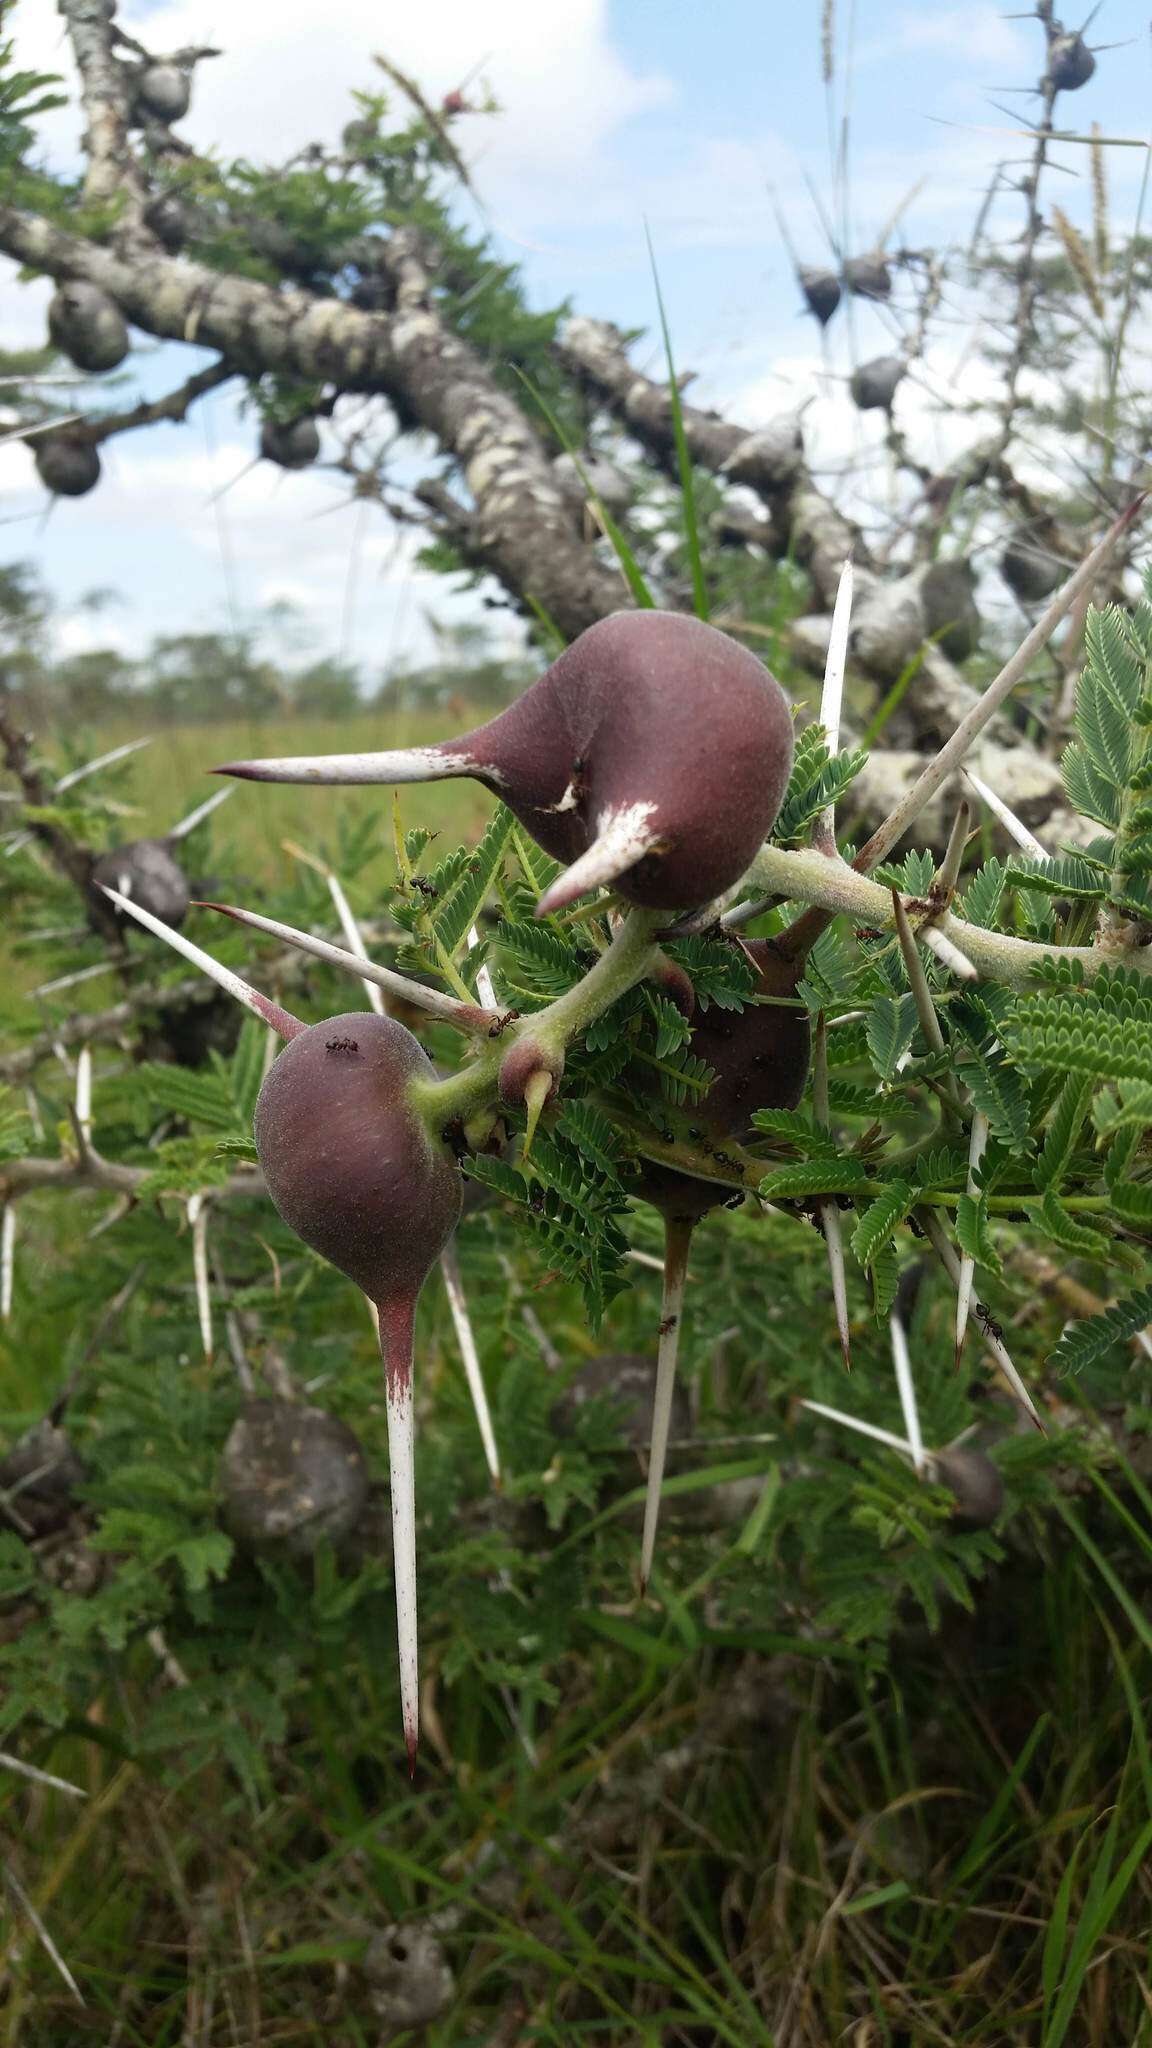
x,y
988,1321
501,1023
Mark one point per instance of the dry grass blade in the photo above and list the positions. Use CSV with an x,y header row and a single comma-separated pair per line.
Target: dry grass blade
x,y
1099,203
1078,254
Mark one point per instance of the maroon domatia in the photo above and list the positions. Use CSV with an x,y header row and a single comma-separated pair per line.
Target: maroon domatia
x,y
652,755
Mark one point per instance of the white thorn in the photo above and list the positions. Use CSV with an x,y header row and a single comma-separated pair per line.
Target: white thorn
x,y
976,1144
1012,824
645,1259
197,816
484,986
84,1092
7,1259
261,1006
833,693
401,1466
623,837
457,1302
120,1208
52,426
101,761
39,1777
198,1218
403,764
948,953
830,1224
48,988
677,1241
173,1670
939,1238
355,938
907,1391
49,1946
882,1436
450,1008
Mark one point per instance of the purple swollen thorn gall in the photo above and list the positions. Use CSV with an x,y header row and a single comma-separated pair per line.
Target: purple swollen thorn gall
x,y
163,92
874,384
353,1171
294,446
88,326
1070,62
67,464
868,276
821,289
653,756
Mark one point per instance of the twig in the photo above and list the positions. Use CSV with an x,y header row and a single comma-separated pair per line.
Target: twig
x,y
977,1143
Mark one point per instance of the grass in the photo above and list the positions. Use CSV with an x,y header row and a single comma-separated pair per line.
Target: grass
x,y
688,1841
172,774
954,1853
168,778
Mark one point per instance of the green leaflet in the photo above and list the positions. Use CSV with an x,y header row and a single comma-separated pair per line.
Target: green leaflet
x,y
1129,1104
998,1091
1088,790
882,1218
1063,876
198,1097
817,781
890,1024
885,1275
458,909
673,1028
1067,1121
973,1234
1064,1230
1086,1341
823,1176
981,900
1132,1201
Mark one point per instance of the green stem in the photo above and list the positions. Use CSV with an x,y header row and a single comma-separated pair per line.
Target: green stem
x,y
805,876
627,960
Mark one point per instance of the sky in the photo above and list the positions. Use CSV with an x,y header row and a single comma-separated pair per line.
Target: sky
x,y
617,115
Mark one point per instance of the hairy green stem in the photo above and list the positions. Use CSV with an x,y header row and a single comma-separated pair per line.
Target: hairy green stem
x,y
805,876
628,959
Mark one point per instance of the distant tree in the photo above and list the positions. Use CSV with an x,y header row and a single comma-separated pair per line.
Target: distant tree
x,y
204,676
327,689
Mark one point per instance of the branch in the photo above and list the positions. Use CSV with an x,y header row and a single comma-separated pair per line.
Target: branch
x,y
801,521
106,95
174,406
806,876
522,526
22,1176
74,860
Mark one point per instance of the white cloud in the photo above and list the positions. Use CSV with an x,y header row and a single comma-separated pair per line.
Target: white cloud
x,y
974,36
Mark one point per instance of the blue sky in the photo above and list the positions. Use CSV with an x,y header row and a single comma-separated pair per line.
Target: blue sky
x,y
617,112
